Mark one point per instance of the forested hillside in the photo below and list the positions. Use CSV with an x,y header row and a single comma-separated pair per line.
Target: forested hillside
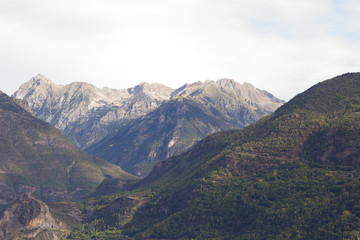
x,y
292,175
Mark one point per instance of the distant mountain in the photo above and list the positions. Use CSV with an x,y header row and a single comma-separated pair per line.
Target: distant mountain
x,y
86,114
193,112
36,157
241,104
291,175
137,127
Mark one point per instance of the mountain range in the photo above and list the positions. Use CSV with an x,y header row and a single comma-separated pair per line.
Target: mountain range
x,y
137,127
291,175
36,157
85,113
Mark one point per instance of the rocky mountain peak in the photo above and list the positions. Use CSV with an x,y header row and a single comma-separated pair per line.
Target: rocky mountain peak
x,y
80,90
38,87
85,112
221,85
153,90
177,92
80,85
39,80
79,106
226,82
229,89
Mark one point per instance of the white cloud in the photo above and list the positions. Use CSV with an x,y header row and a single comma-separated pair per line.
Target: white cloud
x,y
281,46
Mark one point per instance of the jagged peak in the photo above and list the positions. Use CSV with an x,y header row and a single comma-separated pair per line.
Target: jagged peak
x,y
83,85
80,83
179,90
225,80
155,90
247,84
198,86
35,81
146,85
39,82
39,78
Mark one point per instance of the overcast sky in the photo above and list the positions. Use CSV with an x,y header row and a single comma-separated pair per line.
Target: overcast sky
x,y
282,46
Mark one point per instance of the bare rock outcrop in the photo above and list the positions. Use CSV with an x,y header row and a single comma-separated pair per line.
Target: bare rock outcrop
x,y
29,217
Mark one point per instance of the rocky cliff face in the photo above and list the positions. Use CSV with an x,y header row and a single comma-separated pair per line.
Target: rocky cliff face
x,y
85,113
30,218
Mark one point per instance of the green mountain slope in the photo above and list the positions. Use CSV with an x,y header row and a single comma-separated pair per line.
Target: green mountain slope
x,y
292,175
329,108
36,157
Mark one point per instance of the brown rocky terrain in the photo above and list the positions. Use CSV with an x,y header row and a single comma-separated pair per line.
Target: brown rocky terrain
x,y
30,218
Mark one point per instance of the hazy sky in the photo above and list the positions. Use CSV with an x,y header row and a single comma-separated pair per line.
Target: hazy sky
x,y
282,46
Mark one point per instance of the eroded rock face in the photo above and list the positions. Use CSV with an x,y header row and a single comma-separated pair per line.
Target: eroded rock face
x,y
29,217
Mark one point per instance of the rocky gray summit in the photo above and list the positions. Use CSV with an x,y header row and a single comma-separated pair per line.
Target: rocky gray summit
x,y
85,113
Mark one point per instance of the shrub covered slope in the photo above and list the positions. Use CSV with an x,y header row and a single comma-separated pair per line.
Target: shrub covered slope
x,y
292,175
